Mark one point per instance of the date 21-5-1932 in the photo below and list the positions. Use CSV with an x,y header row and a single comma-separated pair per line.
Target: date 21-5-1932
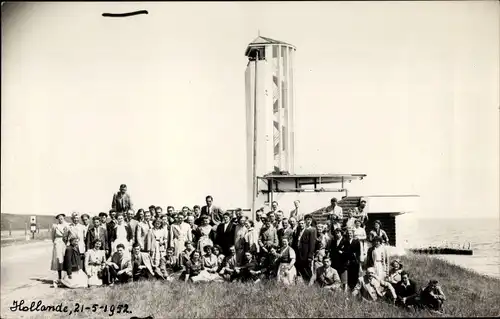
x,y
38,306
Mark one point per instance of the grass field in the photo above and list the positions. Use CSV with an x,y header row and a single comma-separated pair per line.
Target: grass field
x,y
469,294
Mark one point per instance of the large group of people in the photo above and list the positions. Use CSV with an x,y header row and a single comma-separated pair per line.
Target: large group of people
x,y
209,244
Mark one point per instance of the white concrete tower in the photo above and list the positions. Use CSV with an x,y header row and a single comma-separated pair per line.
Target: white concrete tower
x,y
269,86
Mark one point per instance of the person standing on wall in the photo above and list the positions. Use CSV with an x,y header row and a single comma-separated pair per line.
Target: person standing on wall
x,y
214,212
121,201
335,214
296,212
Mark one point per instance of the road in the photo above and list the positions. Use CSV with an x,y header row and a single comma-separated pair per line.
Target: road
x,y
26,274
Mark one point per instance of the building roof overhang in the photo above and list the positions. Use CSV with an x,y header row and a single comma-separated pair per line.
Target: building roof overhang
x,y
306,179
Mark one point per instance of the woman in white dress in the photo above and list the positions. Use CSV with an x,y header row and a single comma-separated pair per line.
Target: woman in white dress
x,y
360,234
180,232
59,238
378,258
286,269
210,267
204,233
94,264
121,234
157,242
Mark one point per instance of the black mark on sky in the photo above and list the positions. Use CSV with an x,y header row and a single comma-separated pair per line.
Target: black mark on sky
x,y
122,15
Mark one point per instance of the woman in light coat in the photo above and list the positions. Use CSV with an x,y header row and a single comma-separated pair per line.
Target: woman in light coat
x,y
59,238
180,232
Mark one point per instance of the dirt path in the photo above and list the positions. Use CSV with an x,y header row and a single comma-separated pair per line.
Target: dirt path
x,y
26,275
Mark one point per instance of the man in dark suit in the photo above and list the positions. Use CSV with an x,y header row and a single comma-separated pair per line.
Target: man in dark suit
x,y
301,225
305,251
96,232
214,212
224,234
110,226
337,249
121,200
352,255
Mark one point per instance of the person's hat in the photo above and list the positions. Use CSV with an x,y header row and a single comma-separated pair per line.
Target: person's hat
x,y
123,186
61,214
103,214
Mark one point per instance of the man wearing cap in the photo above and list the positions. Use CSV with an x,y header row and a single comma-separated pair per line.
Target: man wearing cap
x,y
121,200
370,288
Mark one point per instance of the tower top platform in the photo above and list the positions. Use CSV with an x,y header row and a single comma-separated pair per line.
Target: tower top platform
x,y
260,41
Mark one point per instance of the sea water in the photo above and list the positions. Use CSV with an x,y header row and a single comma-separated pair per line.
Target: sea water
x,y
483,234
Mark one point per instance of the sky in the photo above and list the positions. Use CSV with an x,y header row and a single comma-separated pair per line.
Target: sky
x,y
405,92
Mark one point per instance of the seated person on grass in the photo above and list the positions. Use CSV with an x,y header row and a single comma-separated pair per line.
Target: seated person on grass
x,y
370,288
248,271
169,267
406,291
327,277
142,266
432,296
118,267
228,271
193,267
